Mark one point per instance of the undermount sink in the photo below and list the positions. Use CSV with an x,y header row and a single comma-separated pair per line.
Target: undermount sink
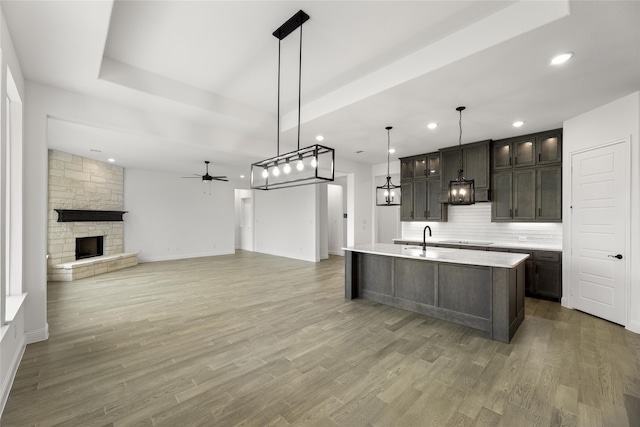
x,y
466,242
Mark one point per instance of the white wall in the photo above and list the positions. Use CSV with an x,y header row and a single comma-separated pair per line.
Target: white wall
x,y
360,202
335,217
616,120
244,220
14,336
386,219
286,222
323,219
170,217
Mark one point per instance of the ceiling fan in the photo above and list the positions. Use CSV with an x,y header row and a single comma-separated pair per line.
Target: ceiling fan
x,y
206,178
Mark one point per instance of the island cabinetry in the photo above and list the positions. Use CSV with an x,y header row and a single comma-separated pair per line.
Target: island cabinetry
x,y
420,182
482,297
475,164
529,270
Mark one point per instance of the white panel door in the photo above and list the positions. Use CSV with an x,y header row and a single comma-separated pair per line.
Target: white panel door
x,y
599,222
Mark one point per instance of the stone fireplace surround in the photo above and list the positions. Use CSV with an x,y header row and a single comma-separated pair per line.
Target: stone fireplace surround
x,y
84,184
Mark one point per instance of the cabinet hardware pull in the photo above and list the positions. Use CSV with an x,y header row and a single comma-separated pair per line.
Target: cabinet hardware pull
x,y
509,161
511,213
516,211
539,157
539,211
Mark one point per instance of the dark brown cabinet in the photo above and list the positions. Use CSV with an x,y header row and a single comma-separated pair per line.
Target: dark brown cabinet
x,y
547,275
543,272
533,194
549,147
539,149
420,181
527,178
549,193
475,164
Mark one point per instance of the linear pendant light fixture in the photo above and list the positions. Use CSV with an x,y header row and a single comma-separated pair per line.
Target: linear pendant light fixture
x,y
309,165
461,191
388,194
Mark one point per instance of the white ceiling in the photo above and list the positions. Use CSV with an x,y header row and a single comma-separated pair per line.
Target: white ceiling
x,y
366,65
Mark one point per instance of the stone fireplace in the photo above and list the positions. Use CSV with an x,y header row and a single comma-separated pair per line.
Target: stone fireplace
x,y
80,184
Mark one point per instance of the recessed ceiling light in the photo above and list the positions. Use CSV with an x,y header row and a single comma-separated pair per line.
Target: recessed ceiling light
x,y
561,59
518,123
432,125
112,160
319,138
241,176
392,150
95,151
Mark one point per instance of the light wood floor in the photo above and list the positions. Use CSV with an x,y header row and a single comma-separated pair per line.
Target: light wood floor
x,y
259,340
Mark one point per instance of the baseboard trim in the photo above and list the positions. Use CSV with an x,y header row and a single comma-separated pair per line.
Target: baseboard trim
x,y
339,253
37,335
142,258
13,369
633,327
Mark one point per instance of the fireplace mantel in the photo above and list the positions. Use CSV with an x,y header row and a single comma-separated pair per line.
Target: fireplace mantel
x,y
85,215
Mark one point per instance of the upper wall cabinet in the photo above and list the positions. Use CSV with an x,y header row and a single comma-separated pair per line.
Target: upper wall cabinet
x,y
475,165
543,148
422,166
527,178
420,180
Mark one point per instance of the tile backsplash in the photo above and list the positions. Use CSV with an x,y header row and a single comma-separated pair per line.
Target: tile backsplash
x,y
473,222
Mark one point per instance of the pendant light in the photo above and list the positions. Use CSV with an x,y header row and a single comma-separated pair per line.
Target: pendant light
x,y
461,191
313,164
388,194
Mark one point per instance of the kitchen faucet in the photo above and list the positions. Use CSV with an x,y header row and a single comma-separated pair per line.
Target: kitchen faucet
x,y
424,237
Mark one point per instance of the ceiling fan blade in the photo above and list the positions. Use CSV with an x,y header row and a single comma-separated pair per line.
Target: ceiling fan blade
x,y
217,177
199,177
220,178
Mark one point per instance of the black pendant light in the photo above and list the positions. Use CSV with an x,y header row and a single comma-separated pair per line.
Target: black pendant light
x,y
313,164
388,194
461,191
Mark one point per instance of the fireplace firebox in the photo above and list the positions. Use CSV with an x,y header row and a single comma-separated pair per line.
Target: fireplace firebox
x,y
87,247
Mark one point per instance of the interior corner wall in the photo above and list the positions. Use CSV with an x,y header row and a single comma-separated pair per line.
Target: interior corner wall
x,y
30,323
286,222
618,119
360,203
173,218
34,203
335,209
323,221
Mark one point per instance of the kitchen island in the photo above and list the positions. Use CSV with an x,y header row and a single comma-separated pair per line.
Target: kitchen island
x,y
479,289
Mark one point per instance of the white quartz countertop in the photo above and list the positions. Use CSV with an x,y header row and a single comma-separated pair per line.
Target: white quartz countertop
x,y
453,256
536,246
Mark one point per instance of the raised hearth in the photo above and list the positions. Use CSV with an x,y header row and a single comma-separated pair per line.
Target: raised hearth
x,y
88,267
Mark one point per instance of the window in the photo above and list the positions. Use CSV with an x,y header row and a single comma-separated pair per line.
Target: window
x,y
11,191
